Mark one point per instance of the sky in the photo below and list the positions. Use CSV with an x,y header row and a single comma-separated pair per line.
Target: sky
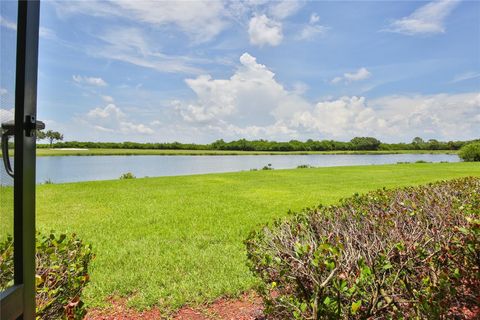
x,y
198,71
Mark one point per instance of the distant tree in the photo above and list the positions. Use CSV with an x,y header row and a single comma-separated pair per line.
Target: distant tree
x,y
365,143
52,136
40,135
418,140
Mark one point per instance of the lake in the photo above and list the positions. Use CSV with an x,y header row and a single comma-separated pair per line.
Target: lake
x,y
85,168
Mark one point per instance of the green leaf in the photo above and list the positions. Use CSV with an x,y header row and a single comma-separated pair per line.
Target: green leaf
x,y
355,306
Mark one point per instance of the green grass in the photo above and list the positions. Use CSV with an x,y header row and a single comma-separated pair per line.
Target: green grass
x,y
172,241
92,152
6,211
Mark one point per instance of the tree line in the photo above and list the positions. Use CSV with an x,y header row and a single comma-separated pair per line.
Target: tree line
x,y
356,144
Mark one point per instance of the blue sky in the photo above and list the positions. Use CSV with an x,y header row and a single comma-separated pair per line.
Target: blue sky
x,y
200,71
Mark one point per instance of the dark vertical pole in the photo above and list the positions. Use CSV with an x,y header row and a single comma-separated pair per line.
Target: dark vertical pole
x,y
25,144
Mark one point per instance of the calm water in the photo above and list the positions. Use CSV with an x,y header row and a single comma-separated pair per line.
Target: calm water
x,y
85,168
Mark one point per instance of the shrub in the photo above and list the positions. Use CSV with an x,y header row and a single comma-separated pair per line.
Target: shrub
x,y
305,166
127,175
268,167
61,274
404,253
470,152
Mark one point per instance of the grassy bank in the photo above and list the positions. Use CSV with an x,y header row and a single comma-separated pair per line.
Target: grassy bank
x,y
177,240
107,152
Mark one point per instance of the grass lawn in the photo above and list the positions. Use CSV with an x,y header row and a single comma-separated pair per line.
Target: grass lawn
x,y
172,241
106,152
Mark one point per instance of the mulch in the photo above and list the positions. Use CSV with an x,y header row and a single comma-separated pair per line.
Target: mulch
x,y
247,307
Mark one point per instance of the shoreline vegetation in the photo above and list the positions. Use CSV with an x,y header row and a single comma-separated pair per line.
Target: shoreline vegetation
x,y
44,152
355,144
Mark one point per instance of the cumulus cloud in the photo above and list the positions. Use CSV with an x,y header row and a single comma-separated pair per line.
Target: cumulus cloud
x,y
110,111
447,116
360,74
93,81
428,19
253,104
264,31
342,117
112,119
250,95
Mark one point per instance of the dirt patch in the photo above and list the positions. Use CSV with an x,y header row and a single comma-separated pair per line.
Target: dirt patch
x,y
117,309
247,307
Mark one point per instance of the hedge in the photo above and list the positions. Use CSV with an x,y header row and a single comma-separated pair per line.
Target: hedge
x,y
403,253
61,274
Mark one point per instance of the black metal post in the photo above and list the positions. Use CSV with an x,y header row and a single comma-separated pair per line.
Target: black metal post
x,y
25,144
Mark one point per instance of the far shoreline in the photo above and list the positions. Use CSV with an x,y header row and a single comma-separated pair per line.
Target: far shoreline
x,y
47,152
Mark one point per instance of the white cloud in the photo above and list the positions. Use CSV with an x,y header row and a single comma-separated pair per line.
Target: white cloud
x,y
250,95
3,91
280,130
107,99
466,76
398,118
447,116
360,74
314,18
109,111
337,80
7,23
428,19
337,118
253,104
283,9
300,88
201,20
112,119
263,30
128,127
7,114
93,81
312,29
131,45
45,33
100,128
